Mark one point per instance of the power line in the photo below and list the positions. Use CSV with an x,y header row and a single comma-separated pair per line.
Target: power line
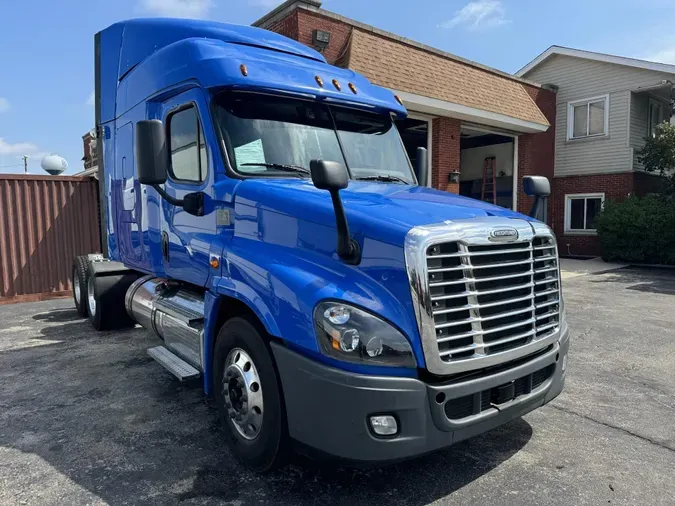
x,y
9,166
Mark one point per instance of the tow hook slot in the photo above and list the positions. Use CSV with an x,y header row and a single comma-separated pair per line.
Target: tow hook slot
x,y
504,393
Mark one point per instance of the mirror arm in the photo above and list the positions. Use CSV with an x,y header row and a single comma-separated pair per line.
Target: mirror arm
x,y
538,207
171,200
348,249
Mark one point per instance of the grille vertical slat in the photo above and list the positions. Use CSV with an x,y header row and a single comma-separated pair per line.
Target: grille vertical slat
x,y
488,299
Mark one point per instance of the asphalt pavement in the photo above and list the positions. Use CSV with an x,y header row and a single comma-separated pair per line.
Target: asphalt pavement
x,y
89,418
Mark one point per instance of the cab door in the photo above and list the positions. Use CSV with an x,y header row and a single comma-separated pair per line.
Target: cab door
x,y
125,192
185,238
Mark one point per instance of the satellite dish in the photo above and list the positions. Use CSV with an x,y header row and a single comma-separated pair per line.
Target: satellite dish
x,y
54,164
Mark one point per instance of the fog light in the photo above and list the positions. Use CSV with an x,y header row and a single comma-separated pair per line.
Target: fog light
x,y
384,425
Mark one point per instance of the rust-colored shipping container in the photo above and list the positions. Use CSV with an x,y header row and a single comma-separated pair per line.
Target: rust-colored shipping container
x,y
45,221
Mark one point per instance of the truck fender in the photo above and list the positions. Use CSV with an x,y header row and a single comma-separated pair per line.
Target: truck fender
x,y
222,290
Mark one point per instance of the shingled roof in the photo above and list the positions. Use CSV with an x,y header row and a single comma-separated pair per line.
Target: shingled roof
x,y
416,69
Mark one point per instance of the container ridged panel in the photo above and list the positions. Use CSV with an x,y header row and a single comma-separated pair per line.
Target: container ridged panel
x,y
45,221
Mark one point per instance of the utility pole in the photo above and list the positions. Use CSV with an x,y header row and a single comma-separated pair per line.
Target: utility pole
x,y
25,164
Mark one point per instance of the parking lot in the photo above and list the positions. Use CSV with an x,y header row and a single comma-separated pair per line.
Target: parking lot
x,y
89,418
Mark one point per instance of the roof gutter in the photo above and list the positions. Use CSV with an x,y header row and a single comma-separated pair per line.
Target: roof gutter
x,y
419,103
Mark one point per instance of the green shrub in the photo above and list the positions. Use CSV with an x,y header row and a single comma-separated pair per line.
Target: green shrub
x,y
638,230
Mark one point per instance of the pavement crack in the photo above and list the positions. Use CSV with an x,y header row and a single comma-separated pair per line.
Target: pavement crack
x,y
615,427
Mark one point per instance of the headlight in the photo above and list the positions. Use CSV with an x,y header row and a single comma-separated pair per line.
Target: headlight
x,y
350,334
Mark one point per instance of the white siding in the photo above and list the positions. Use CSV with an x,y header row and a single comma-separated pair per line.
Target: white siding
x,y
578,79
639,115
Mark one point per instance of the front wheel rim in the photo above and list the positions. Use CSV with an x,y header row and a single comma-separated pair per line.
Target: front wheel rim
x,y
90,296
242,391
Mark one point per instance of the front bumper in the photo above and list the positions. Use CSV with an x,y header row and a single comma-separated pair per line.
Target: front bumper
x,y
328,409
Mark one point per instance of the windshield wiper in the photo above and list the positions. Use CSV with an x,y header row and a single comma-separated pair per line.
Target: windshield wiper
x,y
279,166
386,178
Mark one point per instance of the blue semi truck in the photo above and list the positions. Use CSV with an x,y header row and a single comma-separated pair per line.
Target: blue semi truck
x,y
260,215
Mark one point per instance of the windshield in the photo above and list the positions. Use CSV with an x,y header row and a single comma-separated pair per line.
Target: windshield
x,y
278,136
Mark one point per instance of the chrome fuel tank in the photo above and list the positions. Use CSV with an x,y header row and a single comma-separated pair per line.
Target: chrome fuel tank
x,y
174,313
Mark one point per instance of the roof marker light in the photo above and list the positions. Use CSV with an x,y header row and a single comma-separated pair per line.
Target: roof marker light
x,y
337,85
319,81
353,88
398,99
244,70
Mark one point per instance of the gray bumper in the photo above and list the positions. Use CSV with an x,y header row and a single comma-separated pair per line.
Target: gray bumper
x,y
328,408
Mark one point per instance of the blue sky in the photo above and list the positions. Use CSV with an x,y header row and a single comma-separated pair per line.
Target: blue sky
x,y
47,70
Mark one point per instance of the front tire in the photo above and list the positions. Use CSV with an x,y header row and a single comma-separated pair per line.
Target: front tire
x,y
248,395
80,278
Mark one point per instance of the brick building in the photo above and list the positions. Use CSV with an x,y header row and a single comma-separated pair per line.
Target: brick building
x,y
90,158
463,112
606,107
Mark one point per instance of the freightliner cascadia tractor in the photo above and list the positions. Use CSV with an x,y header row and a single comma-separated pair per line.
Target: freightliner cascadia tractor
x,y
260,215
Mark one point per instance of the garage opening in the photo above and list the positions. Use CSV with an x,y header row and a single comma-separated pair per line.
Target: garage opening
x,y
478,148
415,134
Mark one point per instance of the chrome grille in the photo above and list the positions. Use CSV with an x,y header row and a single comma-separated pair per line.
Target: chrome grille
x,y
490,298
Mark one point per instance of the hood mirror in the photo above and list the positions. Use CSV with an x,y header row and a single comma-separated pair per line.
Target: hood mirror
x,y
538,187
333,176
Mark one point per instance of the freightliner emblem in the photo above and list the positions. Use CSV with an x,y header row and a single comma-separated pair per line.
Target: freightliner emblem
x,y
503,235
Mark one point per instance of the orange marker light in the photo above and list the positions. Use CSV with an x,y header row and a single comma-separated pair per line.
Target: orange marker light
x,y
244,70
353,88
398,99
319,81
214,263
337,85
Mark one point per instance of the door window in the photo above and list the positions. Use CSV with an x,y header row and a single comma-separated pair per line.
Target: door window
x,y
186,145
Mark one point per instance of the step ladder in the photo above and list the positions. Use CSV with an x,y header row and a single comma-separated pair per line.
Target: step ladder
x,y
173,363
489,190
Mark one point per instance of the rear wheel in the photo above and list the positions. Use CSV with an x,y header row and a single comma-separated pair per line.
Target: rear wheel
x,y
248,396
80,279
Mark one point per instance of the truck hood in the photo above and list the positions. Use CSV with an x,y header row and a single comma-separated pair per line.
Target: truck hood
x,y
382,211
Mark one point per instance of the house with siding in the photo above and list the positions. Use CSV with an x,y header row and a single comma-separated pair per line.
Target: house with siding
x,y
606,107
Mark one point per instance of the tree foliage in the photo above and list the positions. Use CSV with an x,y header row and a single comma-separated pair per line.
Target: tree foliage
x,y
638,230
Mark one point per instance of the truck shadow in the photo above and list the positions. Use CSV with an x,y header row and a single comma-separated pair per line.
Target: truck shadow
x,y
413,482
642,279
95,409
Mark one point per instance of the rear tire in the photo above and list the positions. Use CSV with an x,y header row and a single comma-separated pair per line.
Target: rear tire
x,y
252,397
80,278
105,300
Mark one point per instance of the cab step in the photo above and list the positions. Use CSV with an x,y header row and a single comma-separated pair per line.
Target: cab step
x,y
173,363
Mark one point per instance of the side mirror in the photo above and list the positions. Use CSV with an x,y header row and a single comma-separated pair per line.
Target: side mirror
x,y
329,175
333,176
152,161
151,153
422,166
538,187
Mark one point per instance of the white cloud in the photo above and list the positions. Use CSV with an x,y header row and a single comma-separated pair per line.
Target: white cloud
x,y
19,149
92,99
478,14
4,105
665,55
177,8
